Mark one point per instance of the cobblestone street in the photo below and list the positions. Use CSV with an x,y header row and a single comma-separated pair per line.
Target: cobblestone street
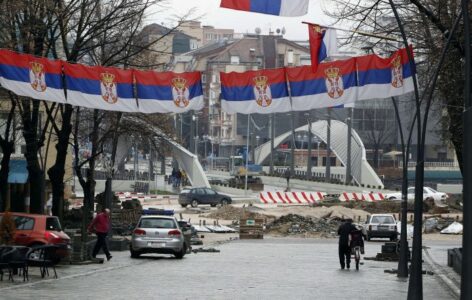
x,y
268,269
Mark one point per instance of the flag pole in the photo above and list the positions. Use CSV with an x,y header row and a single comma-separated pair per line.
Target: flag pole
x,y
358,32
247,152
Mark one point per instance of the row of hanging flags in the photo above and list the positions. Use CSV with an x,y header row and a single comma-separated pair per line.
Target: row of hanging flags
x,y
333,84
98,87
323,84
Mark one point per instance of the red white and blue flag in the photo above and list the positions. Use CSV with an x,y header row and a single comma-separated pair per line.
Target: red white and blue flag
x,y
385,77
99,87
323,43
30,76
169,92
333,84
285,8
255,92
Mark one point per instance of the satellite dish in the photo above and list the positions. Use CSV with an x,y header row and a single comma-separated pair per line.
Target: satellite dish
x,y
258,30
278,30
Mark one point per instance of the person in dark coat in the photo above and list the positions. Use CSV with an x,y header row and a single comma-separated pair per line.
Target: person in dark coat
x,y
287,176
344,231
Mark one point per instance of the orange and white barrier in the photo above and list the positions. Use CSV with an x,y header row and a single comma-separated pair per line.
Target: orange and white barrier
x,y
292,198
369,197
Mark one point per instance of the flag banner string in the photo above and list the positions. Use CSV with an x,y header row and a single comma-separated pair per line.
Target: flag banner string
x,y
333,84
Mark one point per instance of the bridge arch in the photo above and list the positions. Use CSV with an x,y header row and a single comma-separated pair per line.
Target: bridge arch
x,y
362,172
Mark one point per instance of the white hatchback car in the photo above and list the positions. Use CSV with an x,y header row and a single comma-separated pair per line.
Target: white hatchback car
x,y
428,193
380,226
158,234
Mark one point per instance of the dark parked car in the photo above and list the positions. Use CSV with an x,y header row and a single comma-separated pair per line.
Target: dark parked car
x,y
196,196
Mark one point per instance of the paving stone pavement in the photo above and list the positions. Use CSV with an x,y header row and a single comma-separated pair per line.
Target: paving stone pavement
x,y
273,268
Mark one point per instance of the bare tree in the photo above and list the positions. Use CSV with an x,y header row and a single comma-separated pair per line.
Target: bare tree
x,y
428,24
7,145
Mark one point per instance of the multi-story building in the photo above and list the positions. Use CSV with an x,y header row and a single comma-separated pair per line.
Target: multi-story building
x,y
252,52
206,34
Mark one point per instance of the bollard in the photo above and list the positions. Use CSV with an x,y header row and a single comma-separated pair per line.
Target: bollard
x,y
204,222
200,222
358,219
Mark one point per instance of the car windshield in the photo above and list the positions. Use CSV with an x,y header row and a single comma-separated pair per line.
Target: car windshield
x,y
52,224
157,223
383,220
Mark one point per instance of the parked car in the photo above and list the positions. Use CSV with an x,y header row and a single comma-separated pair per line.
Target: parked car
x,y
428,193
158,234
37,230
196,196
380,226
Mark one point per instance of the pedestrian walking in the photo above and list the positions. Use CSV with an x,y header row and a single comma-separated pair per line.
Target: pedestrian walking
x,y
344,249
100,225
287,176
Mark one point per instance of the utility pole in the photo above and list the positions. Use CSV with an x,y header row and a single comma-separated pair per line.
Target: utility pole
x,y
292,150
349,146
309,163
466,276
272,137
328,148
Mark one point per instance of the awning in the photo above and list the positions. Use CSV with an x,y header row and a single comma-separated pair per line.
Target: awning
x,y
18,172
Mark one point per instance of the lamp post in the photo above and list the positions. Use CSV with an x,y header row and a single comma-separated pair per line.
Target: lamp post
x,y
349,143
309,164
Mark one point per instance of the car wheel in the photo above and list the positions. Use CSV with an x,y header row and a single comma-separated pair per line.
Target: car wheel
x,y
194,203
134,254
181,253
183,205
212,205
224,202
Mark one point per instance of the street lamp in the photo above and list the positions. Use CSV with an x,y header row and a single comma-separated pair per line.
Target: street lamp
x,y
309,164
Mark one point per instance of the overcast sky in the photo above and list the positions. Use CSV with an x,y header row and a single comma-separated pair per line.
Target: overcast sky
x,y
241,22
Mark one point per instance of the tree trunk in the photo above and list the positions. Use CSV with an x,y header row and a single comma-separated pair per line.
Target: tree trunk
x,y
36,175
7,149
57,171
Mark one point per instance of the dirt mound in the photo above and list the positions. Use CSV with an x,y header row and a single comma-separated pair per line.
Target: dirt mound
x,y
229,212
309,226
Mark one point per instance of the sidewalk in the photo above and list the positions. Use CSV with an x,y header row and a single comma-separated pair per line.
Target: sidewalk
x,y
435,258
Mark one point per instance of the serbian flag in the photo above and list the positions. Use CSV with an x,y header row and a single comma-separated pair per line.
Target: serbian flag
x,y
99,87
285,8
323,43
255,92
169,92
385,77
332,85
30,76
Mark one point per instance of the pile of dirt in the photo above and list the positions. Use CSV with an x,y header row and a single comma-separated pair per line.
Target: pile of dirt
x,y
293,225
229,212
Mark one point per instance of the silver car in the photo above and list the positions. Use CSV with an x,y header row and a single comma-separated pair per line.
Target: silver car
x,y
158,234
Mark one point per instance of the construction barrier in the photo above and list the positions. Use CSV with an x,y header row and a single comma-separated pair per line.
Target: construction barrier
x,y
369,197
291,197
123,196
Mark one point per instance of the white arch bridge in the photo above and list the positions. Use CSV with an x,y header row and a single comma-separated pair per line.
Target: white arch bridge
x,y
361,171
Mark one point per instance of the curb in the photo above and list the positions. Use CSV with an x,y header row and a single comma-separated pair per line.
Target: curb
x,y
442,275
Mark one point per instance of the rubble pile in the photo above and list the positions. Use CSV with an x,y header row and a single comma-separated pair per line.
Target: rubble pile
x,y
436,224
229,212
293,224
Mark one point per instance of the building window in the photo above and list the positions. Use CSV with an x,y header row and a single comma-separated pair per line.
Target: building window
x,y
204,78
